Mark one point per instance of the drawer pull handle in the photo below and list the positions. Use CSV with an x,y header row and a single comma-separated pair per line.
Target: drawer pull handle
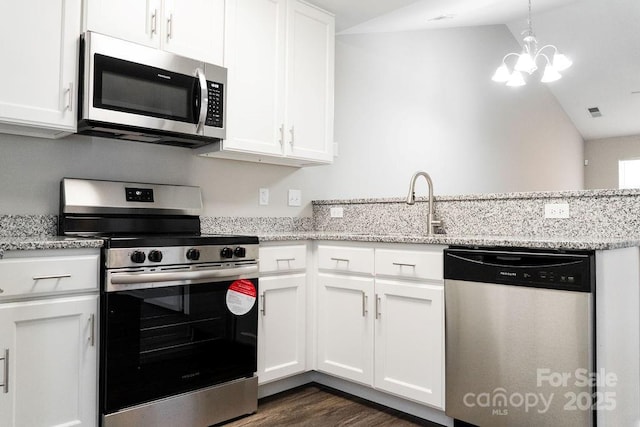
x,y
92,328
52,276
285,259
364,304
170,27
339,259
402,264
264,308
154,21
378,303
5,385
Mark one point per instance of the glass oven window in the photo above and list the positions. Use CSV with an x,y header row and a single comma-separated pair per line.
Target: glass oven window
x,y
164,341
135,88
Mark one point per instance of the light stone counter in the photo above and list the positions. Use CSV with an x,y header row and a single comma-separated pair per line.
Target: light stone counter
x,y
46,242
568,243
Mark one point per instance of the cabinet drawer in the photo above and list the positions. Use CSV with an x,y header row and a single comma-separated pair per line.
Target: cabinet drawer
x,y
283,258
43,275
410,264
345,259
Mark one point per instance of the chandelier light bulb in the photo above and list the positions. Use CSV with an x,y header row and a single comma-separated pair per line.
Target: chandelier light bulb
x,y
525,63
502,74
551,74
561,62
516,79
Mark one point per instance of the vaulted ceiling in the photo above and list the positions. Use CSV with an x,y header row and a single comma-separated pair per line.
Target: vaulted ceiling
x,y
602,37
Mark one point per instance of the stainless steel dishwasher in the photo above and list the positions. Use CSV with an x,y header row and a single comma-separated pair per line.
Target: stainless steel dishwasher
x,y
520,334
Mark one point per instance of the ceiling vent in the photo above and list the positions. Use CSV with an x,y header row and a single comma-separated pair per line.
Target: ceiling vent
x,y
595,112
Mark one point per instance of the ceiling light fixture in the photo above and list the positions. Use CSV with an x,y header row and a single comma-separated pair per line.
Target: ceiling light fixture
x,y
527,61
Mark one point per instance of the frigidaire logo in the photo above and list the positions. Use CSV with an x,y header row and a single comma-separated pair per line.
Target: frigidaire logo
x,y
192,375
508,273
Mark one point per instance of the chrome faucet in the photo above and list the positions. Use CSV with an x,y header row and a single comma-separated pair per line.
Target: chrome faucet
x,y
411,199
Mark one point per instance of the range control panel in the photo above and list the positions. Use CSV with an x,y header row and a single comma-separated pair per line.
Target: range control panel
x,y
139,194
180,255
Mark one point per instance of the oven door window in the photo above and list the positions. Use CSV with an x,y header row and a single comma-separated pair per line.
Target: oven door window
x,y
140,89
164,341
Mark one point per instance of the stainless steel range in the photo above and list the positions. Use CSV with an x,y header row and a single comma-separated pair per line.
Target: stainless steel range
x,y
178,309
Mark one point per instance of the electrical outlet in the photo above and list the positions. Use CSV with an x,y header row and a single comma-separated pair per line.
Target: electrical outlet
x,y
264,196
556,210
295,198
336,212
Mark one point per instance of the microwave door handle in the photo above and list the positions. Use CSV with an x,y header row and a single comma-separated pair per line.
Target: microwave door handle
x,y
204,100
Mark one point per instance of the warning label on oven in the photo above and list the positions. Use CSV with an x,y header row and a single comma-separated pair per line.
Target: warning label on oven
x,y
241,296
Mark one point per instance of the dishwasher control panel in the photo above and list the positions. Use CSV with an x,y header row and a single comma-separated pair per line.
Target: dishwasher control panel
x,y
554,270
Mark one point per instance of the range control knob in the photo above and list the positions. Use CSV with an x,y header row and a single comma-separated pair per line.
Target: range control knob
x,y
193,254
240,252
138,257
226,253
155,256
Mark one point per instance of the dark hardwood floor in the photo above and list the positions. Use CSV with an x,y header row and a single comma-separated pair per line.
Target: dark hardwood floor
x,y
315,405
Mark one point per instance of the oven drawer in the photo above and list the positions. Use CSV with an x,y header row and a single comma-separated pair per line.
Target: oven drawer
x,y
34,276
283,258
409,264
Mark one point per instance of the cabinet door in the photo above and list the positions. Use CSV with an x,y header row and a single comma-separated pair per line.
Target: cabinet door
x,y
409,339
254,55
39,51
51,363
194,28
281,329
138,21
345,327
310,69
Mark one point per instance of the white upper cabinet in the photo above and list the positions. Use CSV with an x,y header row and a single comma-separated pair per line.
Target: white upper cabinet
x,y
280,56
309,84
39,51
255,58
191,28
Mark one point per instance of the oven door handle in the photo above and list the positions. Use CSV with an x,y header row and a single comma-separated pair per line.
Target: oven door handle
x,y
135,278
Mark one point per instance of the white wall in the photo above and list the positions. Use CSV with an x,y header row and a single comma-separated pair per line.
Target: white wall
x,y
404,102
31,169
603,155
424,101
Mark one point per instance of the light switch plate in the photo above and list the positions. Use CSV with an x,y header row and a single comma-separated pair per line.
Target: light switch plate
x,y
264,196
336,212
295,198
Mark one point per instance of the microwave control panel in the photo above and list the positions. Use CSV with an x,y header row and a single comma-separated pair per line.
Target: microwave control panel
x,y
215,109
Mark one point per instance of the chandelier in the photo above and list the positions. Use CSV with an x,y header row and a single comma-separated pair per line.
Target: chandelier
x,y
527,61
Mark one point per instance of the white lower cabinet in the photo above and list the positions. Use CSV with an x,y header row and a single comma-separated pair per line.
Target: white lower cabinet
x,y
48,338
409,338
282,312
49,351
381,318
345,327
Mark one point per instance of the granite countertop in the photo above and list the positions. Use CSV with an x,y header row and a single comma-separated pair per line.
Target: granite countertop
x,y
572,243
576,243
46,242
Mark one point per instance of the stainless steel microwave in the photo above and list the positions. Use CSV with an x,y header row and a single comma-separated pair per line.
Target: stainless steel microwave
x,y
134,92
